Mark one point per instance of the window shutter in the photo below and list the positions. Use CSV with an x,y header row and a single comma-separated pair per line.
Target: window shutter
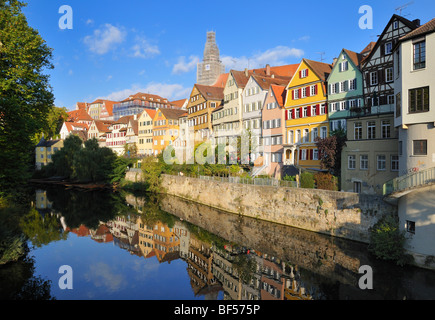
x,y
300,93
293,94
307,73
311,154
318,109
309,112
300,74
292,113
286,114
308,91
301,112
315,89
300,154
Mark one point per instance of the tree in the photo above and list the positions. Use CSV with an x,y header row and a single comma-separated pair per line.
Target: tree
x,y
25,94
330,149
63,160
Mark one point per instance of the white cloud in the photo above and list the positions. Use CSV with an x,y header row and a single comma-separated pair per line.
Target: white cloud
x,y
105,39
183,66
143,49
274,57
169,91
89,21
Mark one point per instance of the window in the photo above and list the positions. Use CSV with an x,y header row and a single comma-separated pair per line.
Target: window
x,y
390,99
396,25
395,163
374,78
371,130
313,90
351,162
420,147
389,73
315,154
305,112
352,85
304,154
420,55
306,136
313,111
357,187
290,137
364,162
304,73
386,129
410,227
388,48
298,136
358,131
344,66
323,133
419,100
314,134
382,163
296,94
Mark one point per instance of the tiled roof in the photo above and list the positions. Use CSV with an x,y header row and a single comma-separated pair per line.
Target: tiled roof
x,y
321,69
279,93
47,143
424,29
151,112
147,97
355,57
266,82
221,80
210,92
79,115
172,113
70,126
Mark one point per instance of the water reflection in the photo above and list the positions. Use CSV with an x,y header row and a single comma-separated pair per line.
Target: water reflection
x,y
224,256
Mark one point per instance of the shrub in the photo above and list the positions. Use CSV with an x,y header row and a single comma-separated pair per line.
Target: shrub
x,y
307,180
326,181
387,241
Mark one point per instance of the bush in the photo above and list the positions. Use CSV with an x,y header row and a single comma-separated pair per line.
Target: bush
x,y
307,180
387,241
326,181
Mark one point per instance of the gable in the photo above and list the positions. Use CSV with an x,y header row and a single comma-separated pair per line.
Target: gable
x,y
303,75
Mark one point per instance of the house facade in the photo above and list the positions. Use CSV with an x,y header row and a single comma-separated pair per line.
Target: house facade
x,y
345,89
145,132
44,151
415,119
101,109
306,114
165,128
116,139
202,102
68,128
274,131
254,95
370,157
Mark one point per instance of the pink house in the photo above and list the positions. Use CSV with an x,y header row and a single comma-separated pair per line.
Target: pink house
x,y
273,117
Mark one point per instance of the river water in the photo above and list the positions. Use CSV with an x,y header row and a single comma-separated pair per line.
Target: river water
x,y
118,246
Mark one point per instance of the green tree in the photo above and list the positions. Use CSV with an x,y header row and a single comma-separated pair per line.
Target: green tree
x,y
63,160
25,94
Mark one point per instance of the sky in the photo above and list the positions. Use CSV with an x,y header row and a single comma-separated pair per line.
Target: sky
x,y
118,48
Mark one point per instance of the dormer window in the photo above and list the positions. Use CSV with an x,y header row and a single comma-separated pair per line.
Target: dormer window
x,y
304,73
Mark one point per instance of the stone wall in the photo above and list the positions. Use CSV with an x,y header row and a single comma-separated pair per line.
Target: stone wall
x,y
338,214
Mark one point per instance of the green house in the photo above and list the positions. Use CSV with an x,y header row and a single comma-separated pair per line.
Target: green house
x,y
345,88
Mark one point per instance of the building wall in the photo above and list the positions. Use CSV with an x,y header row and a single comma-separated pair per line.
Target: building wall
x,y
274,166
337,76
371,179
417,208
145,134
43,154
319,121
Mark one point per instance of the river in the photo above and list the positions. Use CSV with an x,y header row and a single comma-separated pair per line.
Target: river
x,y
98,245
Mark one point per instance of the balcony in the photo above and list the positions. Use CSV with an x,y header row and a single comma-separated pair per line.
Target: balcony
x,y
405,184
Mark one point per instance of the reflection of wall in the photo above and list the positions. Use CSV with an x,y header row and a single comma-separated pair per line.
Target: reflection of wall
x,y
42,201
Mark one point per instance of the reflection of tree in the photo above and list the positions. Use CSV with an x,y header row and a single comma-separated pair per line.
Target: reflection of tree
x,y
245,267
41,230
85,208
19,283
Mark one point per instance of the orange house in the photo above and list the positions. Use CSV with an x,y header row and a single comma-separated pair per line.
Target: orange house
x,y
165,128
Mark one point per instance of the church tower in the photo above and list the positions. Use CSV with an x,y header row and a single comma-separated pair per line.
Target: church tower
x,y
211,67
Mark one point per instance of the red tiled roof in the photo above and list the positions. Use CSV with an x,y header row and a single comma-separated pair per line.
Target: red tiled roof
x,y
210,92
79,115
424,29
279,93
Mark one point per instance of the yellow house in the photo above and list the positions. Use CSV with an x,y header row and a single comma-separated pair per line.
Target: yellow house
x,y
306,114
145,136
44,150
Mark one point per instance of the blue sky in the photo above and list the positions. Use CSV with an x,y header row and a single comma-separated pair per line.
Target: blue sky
x,y
117,48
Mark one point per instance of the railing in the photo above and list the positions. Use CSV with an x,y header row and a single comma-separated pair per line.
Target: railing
x,y
410,181
250,181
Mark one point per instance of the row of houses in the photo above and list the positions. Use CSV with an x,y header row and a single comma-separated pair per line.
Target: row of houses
x,y
380,96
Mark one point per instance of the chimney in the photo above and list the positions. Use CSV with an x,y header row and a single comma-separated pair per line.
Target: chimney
x,y
246,72
267,70
135,117
334,61
417,22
